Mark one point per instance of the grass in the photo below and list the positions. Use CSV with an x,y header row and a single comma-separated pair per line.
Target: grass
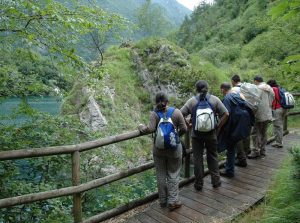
x,y
294,122
282,202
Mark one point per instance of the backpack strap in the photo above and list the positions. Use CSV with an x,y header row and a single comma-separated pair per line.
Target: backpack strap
x,y
207,97
168,114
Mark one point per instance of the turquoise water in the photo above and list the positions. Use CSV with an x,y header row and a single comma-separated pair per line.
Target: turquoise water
x,y
47,104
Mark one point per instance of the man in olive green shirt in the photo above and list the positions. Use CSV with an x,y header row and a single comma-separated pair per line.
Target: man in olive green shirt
x,y
208,140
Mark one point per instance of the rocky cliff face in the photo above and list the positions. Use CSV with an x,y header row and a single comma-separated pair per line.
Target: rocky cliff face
x,y
161,68
91,114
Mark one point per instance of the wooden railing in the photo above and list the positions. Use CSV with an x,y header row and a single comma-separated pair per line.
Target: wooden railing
x,y
77,189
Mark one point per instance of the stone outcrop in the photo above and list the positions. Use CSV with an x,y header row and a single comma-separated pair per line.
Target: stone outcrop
x,y
91,114
156,67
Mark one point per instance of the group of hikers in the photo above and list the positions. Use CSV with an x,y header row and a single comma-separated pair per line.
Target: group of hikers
x,y
215,126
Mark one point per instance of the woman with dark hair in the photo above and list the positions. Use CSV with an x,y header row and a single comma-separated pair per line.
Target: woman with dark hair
x,y
278,115
167,160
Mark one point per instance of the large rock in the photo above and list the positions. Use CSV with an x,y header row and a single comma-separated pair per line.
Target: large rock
x,y
155,67
91,114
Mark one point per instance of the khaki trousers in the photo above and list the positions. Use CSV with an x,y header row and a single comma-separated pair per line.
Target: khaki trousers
x,y
278,116
167,168
260,137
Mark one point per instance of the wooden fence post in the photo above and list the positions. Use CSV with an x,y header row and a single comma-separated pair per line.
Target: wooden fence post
x,y
187,155
77,209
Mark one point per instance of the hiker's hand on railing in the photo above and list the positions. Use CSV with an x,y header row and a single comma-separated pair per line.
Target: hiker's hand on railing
x,y
142,128
188,122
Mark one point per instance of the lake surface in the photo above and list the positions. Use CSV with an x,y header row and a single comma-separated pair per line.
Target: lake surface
x,y
47,104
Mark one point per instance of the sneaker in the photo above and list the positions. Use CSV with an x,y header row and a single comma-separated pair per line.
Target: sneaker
x,y
217,184
262,155
198,187
174,205
162,205
241,163
277,145
226,174
253,155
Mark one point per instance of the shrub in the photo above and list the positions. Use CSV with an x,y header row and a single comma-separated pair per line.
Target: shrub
x,y
295,151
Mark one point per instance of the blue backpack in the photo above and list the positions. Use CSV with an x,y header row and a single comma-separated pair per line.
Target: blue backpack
x,y
287,100
166,136
204,119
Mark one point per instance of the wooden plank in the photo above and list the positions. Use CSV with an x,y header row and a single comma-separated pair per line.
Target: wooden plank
x,y
158,216
266,171
144,218
244,185
193,215
220,198
263,165
132,220
268,163
171,214
243,179
252,172
202,208
232,194
209,202
262,181
242,190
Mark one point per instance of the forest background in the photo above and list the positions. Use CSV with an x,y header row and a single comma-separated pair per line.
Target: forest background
x,y
119,53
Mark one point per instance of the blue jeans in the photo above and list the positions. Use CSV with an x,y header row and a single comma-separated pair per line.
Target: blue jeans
x,y
230,160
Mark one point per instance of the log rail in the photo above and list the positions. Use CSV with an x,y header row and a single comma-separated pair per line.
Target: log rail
x,y
77,189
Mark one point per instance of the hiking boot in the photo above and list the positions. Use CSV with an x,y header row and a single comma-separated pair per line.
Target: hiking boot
x,y
198,187
277,145
226,174
217,184
162,205
263,155
253,155
174,205
241,163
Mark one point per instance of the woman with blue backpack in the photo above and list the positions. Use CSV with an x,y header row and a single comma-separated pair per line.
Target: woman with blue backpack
x,y
168,124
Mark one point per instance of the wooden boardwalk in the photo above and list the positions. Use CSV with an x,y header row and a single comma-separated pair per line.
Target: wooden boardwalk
x,y
226,202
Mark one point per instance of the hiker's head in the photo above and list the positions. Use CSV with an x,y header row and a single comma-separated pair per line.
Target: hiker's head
x,y
272,83
235,79
161,100
258,79
225,88
202,88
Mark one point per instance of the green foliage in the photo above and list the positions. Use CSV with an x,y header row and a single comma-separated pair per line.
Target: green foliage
x,y
119,193
152,20
285,9
24,72
295,151
282,203
282,200
246,37
75,100
54,26
38,174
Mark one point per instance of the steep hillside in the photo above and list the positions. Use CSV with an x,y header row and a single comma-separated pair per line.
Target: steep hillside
x,y
248,37
175,11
